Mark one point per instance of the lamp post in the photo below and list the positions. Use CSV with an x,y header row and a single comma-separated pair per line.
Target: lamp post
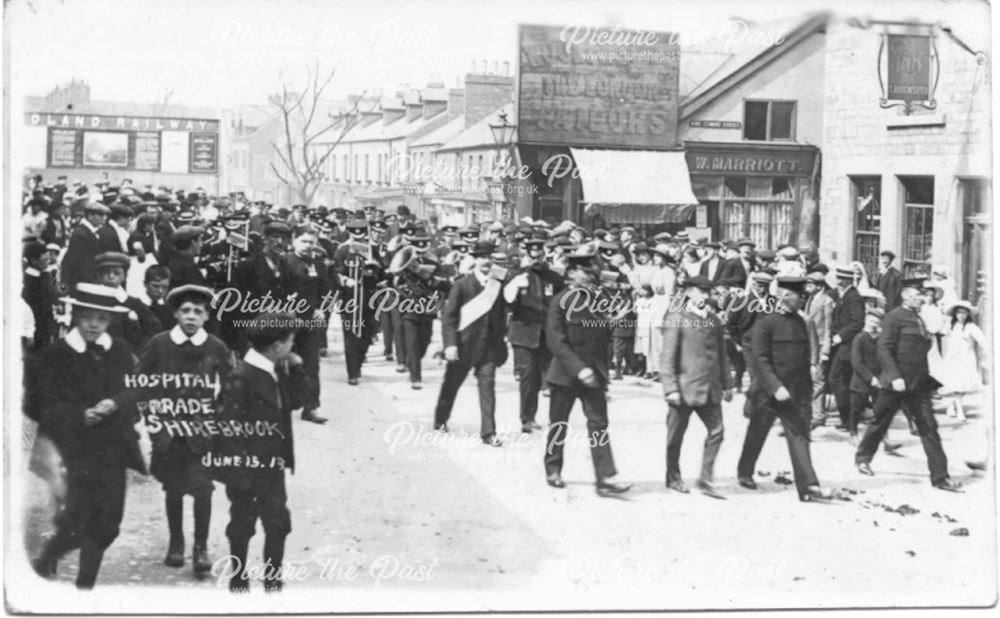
x,y
504,135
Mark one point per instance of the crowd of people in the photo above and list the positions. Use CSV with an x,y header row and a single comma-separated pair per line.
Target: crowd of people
x,y
206,317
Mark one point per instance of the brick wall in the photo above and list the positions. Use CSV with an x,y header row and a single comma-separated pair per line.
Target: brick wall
x,y
484,93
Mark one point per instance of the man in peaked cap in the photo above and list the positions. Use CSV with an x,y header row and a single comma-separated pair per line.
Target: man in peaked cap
x,y
737,271
84,245
781,359
187,242
579,340
906,383
528,294
469,234
696,378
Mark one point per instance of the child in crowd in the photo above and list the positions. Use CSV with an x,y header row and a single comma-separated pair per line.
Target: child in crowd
x,y
964,347
263,389
87,412
185,350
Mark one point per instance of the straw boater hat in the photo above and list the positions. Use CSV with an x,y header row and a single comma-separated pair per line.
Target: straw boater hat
x,y
95,296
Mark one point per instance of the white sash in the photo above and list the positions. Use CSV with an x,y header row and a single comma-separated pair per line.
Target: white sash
x,y
479,305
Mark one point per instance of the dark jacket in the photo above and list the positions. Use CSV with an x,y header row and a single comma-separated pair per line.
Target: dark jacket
x,y
578,339
70,383
183,270
108,239
735,274
250,395
902,350
891,286
528,311
484,336
57,230
307,279
848,321
864,360
78,263
781,356
162,356
694,362
39,292
719,265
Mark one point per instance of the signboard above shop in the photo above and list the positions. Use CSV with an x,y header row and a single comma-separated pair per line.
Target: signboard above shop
x,y
118,123
173,145
597,87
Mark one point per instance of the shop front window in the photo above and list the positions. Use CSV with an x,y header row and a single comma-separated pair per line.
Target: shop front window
x,y
759,208
918,225
866,198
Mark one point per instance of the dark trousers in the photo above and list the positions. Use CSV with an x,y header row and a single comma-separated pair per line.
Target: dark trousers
x,y
737,361
90,519
454,376
416,336
595,408
530,365
841,371
355,349
677,422
307,345
859,401
623,352
793,420
918,405
265,499
393,334
744,355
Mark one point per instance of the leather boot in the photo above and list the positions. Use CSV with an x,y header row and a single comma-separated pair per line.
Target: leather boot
x,y
91,555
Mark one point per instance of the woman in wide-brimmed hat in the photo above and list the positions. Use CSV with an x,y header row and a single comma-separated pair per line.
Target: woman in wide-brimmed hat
x,y
964,348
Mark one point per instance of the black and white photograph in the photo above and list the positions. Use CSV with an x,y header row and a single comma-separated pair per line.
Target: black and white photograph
x,y
399,307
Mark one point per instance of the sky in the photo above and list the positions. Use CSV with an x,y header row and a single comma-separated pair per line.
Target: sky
x,y
214,53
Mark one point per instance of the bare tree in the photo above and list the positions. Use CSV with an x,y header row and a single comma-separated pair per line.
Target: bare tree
x,y
309,135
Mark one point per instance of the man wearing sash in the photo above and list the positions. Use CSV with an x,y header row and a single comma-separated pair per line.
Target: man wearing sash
x,y
473,327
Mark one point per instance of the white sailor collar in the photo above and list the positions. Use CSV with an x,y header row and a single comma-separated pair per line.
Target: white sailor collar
x,y
177,336
258,360
32,272
75,341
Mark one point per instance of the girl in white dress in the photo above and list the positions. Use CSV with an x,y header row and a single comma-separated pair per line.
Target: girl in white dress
x,y
964,348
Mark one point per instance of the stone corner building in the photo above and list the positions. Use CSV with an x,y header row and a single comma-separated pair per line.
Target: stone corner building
x,y
918,184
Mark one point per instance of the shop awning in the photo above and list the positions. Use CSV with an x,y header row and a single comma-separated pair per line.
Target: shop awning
x,y
635,186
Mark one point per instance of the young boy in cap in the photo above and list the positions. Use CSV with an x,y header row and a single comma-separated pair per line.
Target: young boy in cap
x,y
200,361
262,389
864,360
87,412
139,324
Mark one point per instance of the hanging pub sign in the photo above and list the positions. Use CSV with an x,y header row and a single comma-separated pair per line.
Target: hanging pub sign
x,y
911,71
